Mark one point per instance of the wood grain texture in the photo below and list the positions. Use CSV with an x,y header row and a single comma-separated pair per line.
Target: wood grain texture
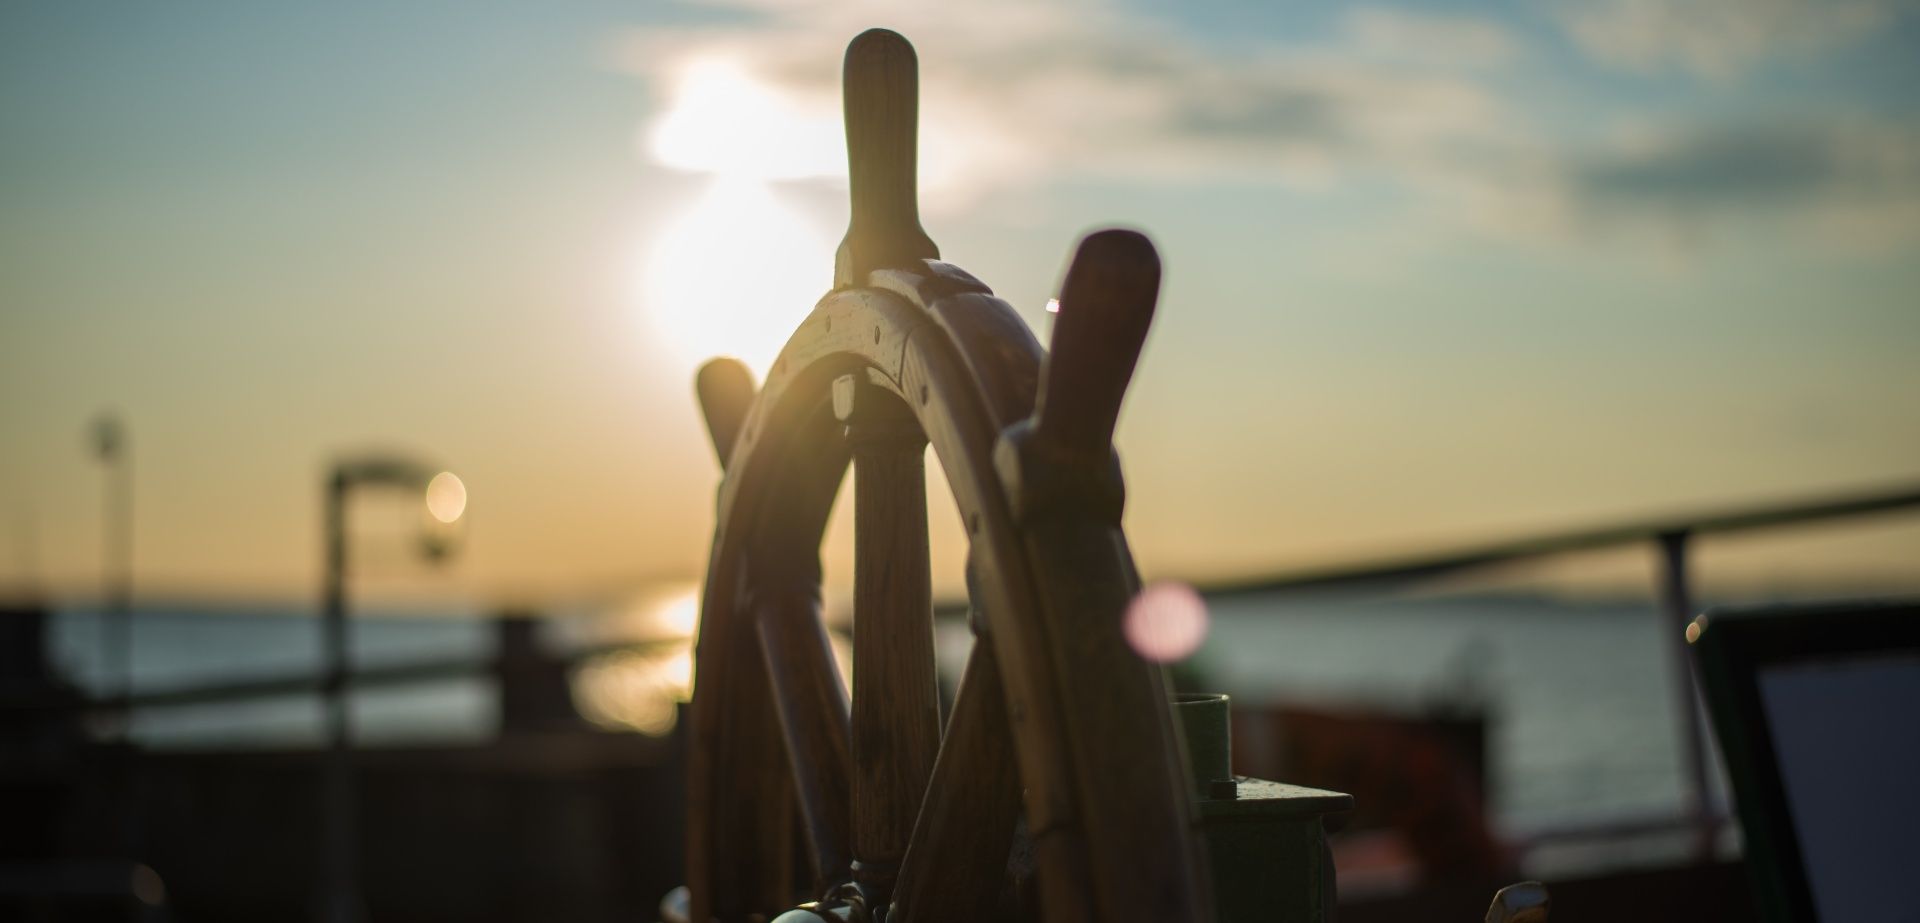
x,y
909,350
811,704
1106,306
881,94
739,832
751,803
896,705
966,366
1064,479
965,830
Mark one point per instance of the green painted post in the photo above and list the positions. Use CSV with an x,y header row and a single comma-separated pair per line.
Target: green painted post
x,y
1266,841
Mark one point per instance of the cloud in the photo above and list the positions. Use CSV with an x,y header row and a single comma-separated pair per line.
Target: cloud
x,y
1718,39
1768,164
1027,91
1854,184
1024,94
1389,34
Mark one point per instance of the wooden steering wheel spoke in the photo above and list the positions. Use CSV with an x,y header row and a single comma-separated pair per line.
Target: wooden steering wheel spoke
x,y
1060,460
882,106
956,865
725,389
1106,306
896,705
751,824
811,706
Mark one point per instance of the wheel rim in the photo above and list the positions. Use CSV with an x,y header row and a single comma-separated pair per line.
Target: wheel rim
x,y
965,368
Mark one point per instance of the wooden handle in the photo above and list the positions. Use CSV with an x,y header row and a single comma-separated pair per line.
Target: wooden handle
x,y
725,389
881,93
1106,306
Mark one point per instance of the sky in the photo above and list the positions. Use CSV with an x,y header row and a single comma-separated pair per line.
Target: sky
x,y
1435,272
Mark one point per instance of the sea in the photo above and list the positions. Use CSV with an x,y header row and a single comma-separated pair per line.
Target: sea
x,y
1581,693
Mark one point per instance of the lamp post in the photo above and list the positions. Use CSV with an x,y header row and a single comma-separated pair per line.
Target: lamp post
x,y
445,499
116,562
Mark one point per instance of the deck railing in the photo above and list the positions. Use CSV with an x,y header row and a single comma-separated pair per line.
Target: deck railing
x,y
1670,536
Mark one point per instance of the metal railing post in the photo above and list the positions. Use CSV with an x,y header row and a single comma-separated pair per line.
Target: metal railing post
x,y
340,892
1677,604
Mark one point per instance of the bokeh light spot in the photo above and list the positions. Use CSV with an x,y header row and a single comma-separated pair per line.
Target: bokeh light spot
x,y
638,690
446,497
1166,622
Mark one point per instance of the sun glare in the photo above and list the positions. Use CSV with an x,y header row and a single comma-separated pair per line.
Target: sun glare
x,y
723,120
635,690
640,689
678,616
735,274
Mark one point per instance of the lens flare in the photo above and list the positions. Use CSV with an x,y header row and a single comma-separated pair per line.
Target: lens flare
x,y
446,497
1166,622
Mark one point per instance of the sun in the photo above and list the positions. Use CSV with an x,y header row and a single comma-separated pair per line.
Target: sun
x,y
735,274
